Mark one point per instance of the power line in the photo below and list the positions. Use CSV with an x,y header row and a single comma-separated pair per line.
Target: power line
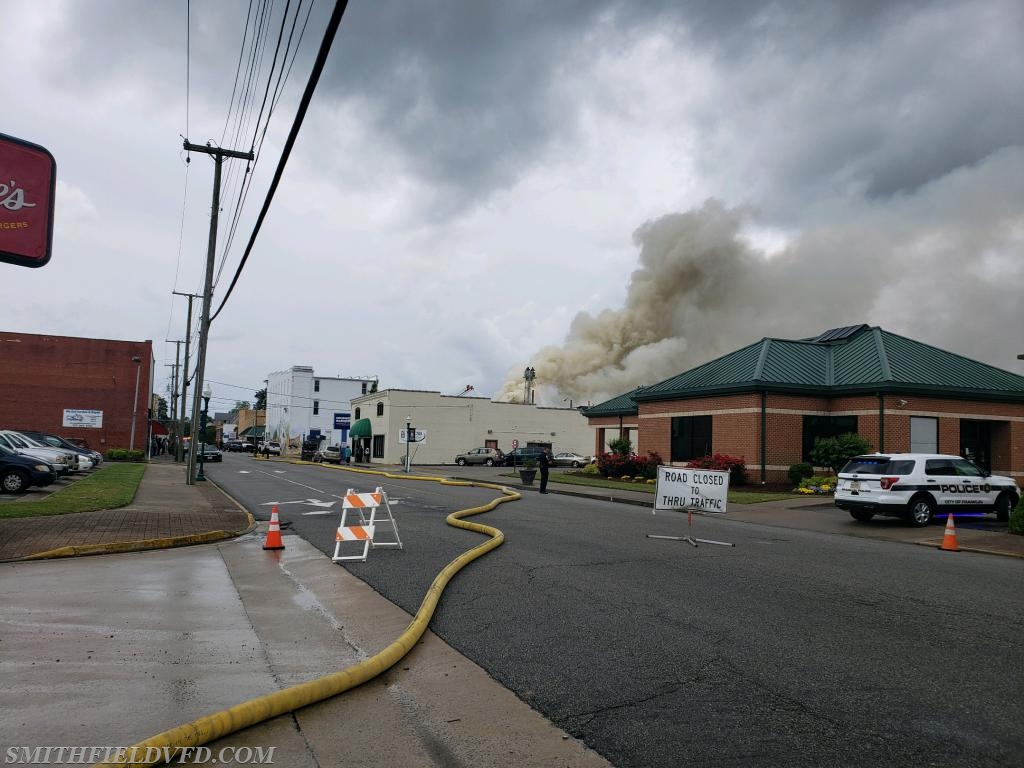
x,y
307,96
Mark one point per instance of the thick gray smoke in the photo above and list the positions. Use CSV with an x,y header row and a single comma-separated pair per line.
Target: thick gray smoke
x,y
943,267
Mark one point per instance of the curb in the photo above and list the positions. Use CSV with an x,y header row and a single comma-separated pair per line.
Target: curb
x,y
143,545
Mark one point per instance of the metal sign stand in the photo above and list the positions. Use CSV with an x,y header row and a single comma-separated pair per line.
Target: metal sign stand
x,y
689,535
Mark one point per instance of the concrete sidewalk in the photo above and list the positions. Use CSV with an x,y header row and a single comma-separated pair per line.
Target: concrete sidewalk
x,y
165,513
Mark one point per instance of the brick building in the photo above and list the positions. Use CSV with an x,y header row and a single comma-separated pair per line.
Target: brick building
x,y
83,388
768,402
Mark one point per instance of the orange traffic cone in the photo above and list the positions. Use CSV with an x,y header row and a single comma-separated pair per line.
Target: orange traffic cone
x,y
949,539
274,533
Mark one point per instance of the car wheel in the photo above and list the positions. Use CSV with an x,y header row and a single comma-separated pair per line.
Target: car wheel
x,y
14,481
920,511
460,461
575,465
1004,504
489,462
860,515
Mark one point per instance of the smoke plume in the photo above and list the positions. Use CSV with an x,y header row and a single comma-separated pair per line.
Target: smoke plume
x,y
939,267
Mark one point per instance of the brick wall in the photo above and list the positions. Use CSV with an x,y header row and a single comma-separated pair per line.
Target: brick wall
x,y
736,426
42,375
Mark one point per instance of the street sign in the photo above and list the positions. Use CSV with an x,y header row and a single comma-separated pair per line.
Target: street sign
x,y
343,421
418,436
697,490
89,419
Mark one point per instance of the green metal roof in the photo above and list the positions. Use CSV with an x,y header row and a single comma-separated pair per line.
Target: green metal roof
x,y
361,428
623,405
850,360
252,431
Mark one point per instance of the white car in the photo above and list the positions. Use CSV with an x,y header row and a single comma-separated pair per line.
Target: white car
x,y
63,461
917,486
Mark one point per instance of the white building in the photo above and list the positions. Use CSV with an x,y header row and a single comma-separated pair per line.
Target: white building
x,y
454,425
300,403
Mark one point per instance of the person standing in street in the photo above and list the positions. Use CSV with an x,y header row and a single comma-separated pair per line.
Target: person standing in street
x,y
544,463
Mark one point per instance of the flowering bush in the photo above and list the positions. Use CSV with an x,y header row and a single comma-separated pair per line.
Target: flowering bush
x,y
736,467
818,485
629,466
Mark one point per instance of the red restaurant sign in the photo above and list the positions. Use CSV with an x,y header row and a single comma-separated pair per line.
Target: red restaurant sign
x,y
28,179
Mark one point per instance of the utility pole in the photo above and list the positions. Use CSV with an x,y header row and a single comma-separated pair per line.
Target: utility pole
x,y
173,413
179,454
218,156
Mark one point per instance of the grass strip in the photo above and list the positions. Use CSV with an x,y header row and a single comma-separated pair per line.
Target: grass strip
x,y
734,497
110,487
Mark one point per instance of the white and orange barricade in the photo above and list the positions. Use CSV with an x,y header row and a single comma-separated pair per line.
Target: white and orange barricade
x,y
374,514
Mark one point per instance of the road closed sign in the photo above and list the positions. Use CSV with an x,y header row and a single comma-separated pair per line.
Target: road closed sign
x,y
686,488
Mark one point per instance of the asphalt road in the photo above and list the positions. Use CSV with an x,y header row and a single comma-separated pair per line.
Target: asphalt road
x,y
792,648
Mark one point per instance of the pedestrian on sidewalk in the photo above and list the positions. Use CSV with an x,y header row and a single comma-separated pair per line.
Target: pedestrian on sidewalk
x,y
544,462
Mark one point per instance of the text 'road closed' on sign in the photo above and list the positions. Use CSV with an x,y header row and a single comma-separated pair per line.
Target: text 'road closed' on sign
x,y
700,490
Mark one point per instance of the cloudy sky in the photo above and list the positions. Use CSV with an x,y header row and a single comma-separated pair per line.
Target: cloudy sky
x,y
612,192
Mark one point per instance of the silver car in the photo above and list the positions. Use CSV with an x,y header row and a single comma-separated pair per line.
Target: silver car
x,y
570,459
63,461
487,456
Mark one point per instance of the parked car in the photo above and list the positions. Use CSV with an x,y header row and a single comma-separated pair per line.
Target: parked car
x,y
330,454
570,459
59,442
273,448
917,486
18,473
234,446
488,456
518,456
63,461
209,452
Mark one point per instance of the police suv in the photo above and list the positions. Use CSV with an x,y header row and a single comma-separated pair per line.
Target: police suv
x,y
917,486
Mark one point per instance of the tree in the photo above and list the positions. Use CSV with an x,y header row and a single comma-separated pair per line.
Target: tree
x,y
161,409
834,452
242,405
261,399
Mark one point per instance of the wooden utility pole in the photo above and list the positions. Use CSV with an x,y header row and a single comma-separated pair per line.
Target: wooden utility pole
x,y
173,413
218,156
179,454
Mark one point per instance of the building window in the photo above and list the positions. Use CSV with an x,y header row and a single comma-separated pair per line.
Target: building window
x,y
924,434
357,414
364,387
316,385
316,407
378,446
817,427
380,409
691,437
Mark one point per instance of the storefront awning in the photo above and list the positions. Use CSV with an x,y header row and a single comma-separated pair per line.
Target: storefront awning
x,y
252,432
361,428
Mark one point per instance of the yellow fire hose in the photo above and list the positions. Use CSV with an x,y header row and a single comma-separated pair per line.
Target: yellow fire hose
x,y
211,727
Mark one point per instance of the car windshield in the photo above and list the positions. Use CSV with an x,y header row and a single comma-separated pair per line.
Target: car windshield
x,y
19,439
878,465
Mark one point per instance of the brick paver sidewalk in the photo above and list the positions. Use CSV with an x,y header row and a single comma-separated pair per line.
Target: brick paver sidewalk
x,y
164,508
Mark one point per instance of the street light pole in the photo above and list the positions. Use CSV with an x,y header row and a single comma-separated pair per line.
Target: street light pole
x,y
408,439
135,406
207,394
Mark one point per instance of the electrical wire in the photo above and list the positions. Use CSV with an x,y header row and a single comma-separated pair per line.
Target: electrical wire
x,y
307,96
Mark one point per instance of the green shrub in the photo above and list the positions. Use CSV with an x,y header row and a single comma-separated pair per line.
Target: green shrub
x,y
621,446
123,454
834,452
798,472
590,469
1017,518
